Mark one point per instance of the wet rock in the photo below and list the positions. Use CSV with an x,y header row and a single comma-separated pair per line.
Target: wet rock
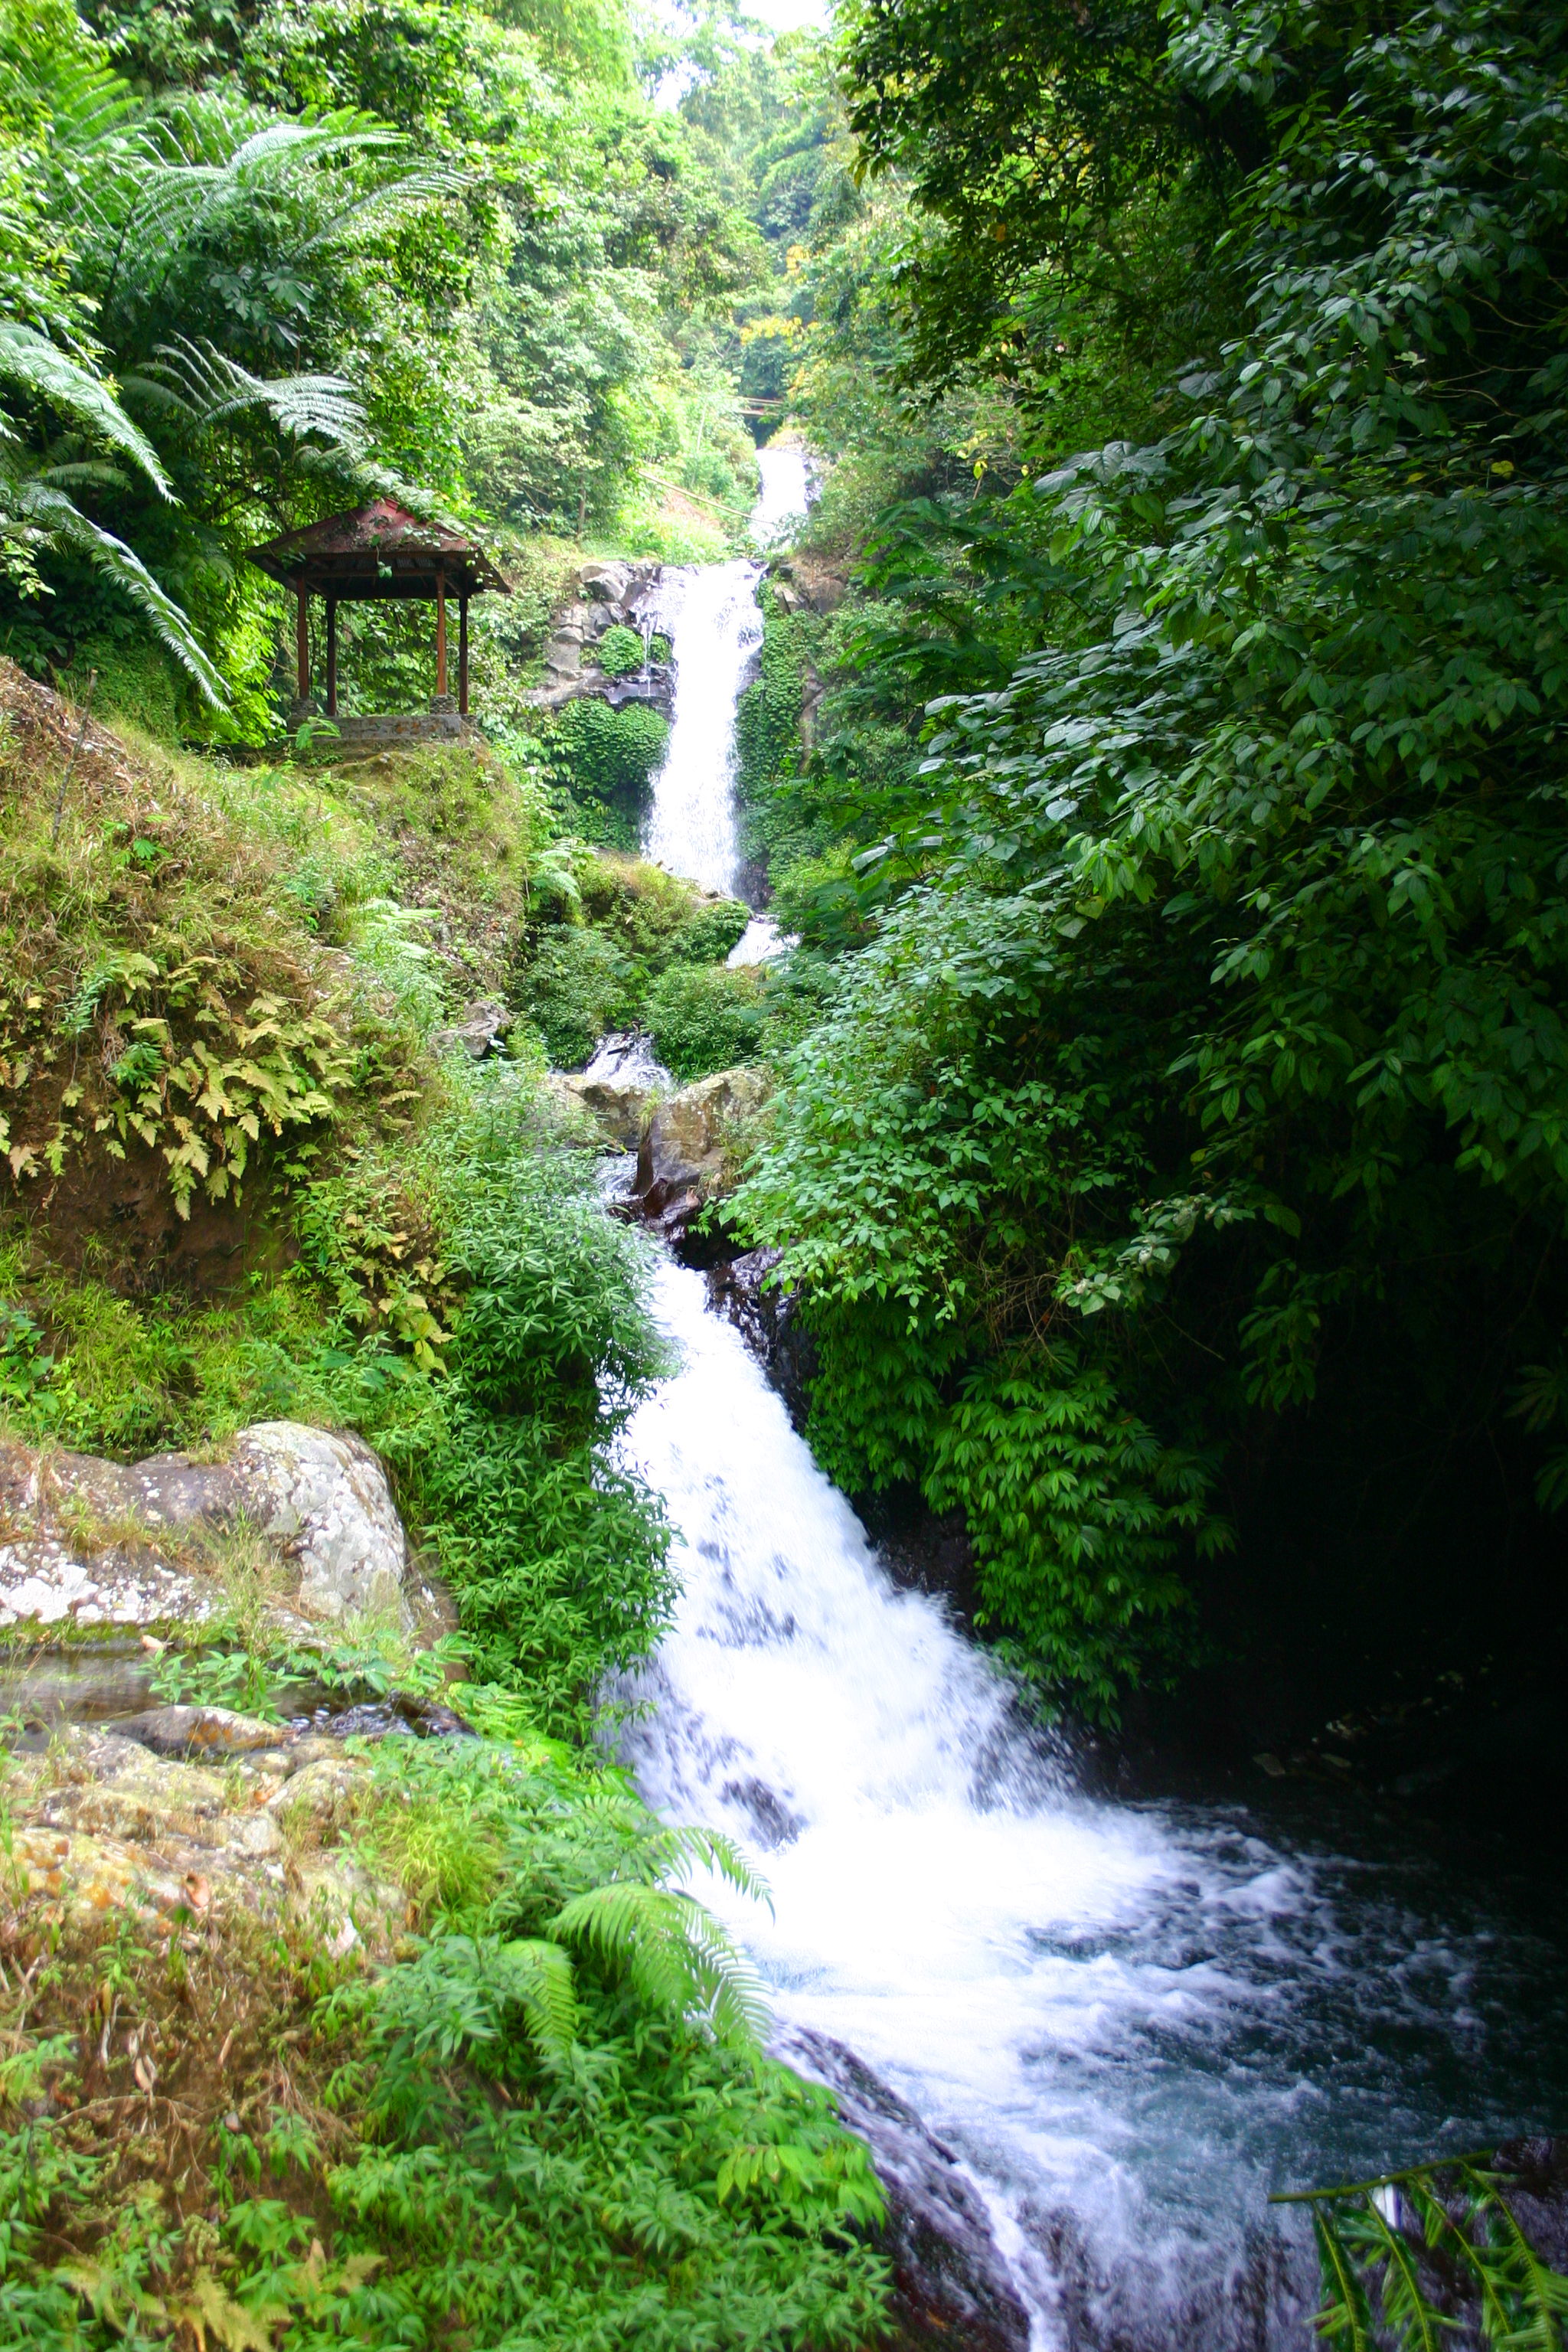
x,y
196,1731
606,584
685,1152
770,1821
619,1106
479,1033
603,596
951,2286
769,1320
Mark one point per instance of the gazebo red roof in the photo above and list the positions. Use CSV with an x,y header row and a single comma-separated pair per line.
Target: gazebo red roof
x,y
379,551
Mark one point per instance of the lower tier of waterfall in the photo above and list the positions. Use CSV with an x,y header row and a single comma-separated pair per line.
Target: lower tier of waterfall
x,y
1132,2022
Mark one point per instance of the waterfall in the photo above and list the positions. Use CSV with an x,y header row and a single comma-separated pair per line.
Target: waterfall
x,y
785,494
709,613
1130,2022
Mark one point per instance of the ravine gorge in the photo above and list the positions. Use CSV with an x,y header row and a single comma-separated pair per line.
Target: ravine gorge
x,y
783,1149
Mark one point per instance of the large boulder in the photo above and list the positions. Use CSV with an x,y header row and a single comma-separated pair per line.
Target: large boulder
x,y
686,1155
90,1543
619,1105
325,1497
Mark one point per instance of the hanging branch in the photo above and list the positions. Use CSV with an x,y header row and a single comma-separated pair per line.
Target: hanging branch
x,y
1450,2220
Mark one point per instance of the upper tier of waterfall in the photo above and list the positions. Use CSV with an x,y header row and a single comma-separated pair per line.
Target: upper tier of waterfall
x,y
709,612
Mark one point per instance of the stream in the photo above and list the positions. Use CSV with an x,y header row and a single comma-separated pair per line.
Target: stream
x,y
1131,2022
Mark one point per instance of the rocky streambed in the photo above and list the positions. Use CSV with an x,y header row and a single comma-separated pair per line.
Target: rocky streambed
x,y
181,1812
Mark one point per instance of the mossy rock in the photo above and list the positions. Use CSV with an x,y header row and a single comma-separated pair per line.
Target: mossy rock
x,y
611,756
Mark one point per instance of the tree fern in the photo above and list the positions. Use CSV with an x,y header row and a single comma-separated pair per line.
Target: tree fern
x,y
39,368
207,388
35,512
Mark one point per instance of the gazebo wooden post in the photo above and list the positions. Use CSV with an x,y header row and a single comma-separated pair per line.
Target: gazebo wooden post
x,y
440,636
302,641
332,657
463,656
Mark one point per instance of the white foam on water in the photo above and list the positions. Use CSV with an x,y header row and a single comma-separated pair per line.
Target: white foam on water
x,y
1130,2022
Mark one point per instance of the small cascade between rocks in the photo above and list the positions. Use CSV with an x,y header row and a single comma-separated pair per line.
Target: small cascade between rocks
x,y
1085,2040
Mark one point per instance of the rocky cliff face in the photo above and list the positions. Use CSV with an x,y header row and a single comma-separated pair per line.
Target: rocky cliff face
x,y
603,596
952,2291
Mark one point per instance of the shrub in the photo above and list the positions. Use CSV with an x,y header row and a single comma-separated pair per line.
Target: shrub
x,y
621,652
577,985
707,935
611,756
705,1017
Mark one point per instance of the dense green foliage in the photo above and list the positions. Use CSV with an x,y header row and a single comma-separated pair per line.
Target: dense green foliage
x,y
704,1018
626,938
546,2112
260,263
609,759
552,2117
1195,1118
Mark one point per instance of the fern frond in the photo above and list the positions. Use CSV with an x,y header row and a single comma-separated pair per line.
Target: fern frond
x,y
670,1851
541,1980
38,507
453,2001
1411,2318
1345,2318
674,1953
42,369
409,190
210,387
1512,2272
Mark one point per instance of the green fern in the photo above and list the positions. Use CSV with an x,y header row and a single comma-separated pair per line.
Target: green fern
x,y
674,1953
37,514
40,369
199,381
1372,2236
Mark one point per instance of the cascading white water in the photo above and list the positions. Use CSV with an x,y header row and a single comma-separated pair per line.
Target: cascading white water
x,y
785,493
709,612
1131,2022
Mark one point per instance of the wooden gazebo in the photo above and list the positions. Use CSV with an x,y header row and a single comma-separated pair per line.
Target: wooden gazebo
x,y
380,550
